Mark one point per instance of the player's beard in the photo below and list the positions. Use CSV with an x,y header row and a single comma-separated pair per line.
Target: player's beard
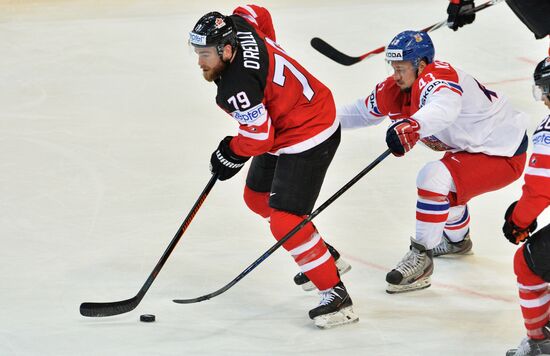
x,y
214,73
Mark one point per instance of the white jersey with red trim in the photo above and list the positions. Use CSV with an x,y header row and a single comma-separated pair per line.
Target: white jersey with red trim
x,y
536,190
455,112
281,108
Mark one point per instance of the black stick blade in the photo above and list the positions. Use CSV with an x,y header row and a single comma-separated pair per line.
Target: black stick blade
x,y
92,309
192,300
332,53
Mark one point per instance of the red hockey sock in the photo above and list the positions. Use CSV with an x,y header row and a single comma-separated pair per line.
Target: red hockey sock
x,y
258,202
534,297
307,248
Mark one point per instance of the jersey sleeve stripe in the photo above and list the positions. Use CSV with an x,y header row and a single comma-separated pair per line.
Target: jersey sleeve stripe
x,y
250,10
539,161
456,86
541,149
535,287
540,172
310,142
455,90
260,136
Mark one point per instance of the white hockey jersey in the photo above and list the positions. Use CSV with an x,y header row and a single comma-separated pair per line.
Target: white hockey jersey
x,y
455,112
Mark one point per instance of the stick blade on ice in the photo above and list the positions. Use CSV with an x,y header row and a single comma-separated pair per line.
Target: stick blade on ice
x,y
92,309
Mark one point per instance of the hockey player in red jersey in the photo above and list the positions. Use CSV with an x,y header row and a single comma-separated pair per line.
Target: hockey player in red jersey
x,y
532,259
287,122
483,137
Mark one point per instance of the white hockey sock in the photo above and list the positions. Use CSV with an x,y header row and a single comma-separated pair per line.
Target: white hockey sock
x,y
458,223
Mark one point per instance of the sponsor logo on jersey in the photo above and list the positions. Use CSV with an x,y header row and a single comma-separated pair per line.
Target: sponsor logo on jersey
x,y
197,39
373,106
430,88
251,115
251,52
541,138
394,54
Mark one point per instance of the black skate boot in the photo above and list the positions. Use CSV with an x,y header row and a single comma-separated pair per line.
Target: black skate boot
x,y
531,347
343,267
413,272
335,308
447,247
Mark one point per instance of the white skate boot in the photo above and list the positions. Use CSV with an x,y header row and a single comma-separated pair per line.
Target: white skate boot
x,y
413,272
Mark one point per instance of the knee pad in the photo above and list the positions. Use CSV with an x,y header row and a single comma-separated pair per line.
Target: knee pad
x,y
258,202
435,177
536,252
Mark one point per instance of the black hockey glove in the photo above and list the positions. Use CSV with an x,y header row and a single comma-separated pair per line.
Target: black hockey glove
x,y
511,231
224,162
457,18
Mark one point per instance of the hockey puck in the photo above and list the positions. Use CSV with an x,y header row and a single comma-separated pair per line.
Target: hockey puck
x,y
147,318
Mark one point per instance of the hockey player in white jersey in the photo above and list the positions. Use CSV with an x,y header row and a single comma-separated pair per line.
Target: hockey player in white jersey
x,y
482,135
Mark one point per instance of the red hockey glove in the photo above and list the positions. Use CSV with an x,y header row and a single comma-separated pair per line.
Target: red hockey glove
x,y
402,135
457,18
511,231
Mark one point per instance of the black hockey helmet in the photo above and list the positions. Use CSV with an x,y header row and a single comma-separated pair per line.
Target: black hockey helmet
x,y
542,79
213,30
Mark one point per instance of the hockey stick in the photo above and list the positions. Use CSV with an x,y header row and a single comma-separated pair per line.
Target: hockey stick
x,y
124,306
287,236
339,57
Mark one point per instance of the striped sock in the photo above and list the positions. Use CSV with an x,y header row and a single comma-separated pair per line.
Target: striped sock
x,y
431,216
458,223
534,297
307,248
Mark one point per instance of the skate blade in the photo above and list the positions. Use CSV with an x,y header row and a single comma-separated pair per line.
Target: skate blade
x,y
343,267
341,317
422,283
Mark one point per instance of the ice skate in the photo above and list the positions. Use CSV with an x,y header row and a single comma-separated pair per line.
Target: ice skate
x,y
447,247
343,267
412,272
531,347
335,308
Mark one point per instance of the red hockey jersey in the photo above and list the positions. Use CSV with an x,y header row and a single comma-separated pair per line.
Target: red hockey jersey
x,y
536,190
281,108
